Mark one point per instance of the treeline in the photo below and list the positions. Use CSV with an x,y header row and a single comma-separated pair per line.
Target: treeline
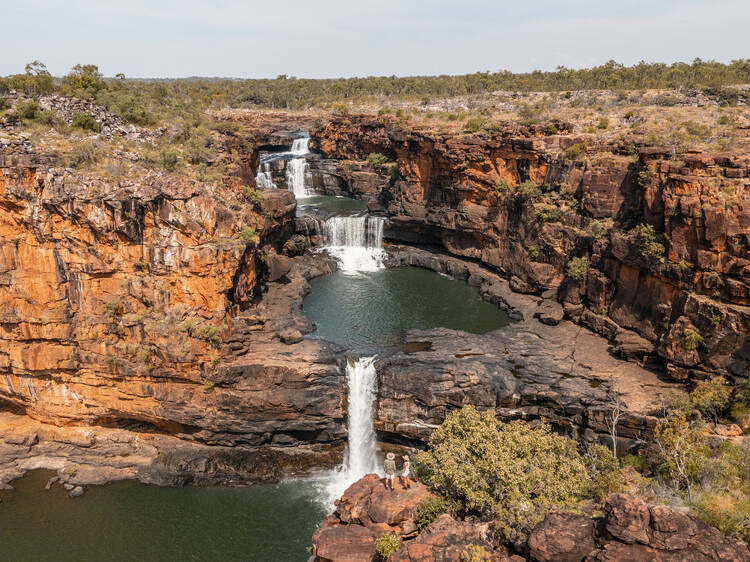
x,y
137,99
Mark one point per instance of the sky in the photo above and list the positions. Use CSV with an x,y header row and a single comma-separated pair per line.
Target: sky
x,y
334,38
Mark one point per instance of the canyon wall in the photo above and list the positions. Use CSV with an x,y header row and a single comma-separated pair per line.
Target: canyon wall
x,y
127,304
684,306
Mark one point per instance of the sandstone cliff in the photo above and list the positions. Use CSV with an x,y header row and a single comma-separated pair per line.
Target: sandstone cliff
x,y
461,192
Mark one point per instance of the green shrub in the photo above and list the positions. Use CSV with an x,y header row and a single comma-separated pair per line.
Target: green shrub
x,y
128,107
83,153
84,80
603,123
534,253
249,235
577,268
635,461
605,472
600,228
529,190
377,159
548,213
226,127
726,512
508,469
86,122
692,340
169,158
253,196
387,545
26,109
675,401
502,187
647,242
47,117
432,508
210,334
198,147
475,553
574,152
475,124
681,450
711,396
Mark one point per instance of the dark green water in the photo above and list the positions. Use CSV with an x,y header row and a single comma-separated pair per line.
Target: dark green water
x,y
341,205
130,521
368,312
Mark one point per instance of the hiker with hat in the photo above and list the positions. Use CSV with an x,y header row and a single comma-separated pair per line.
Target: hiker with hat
x,y
389,467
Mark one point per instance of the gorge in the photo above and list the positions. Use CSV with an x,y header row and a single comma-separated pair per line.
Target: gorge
x,y
327,305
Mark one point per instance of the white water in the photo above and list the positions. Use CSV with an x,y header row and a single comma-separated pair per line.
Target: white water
x,y
356,241
361,448
263,178
296,168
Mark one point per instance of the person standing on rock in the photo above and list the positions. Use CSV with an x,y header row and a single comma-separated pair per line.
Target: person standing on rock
x,y
405,473
389,467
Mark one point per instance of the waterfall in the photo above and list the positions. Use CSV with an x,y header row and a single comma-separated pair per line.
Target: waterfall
x,y
263,179
356,241
296,168
361,448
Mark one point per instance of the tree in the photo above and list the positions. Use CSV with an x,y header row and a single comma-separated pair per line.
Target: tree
x,y
84,80
39,80
711,397
612,419
509,471
681,447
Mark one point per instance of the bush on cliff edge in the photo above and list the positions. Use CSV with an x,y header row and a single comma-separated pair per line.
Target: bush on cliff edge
x,y
510,472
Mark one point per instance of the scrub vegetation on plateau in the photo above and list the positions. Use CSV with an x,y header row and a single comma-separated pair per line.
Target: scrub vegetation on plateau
x,y
512,474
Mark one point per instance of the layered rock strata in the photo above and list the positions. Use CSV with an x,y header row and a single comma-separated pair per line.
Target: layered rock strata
x,y
129,306
461,191
529,370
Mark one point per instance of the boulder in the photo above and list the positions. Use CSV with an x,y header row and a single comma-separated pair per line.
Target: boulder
x,y
344,543
444,540
278,266
563,537
291,336
550,312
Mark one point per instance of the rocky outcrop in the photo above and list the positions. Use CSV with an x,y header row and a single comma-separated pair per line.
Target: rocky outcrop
x,y
632,530
459,191
367,510
528,370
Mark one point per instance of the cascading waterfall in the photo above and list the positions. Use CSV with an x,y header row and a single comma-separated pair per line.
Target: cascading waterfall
x,y
361,448
356,241
296,168
263,178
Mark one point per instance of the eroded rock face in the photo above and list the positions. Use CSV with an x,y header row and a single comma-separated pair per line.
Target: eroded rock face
x,y
450,191
134,306
527,370
632,530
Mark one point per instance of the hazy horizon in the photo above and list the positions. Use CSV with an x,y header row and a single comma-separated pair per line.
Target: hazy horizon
x,y
334,39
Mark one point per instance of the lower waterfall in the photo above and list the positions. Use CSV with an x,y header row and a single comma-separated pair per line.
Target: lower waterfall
x,y
361,448
356,241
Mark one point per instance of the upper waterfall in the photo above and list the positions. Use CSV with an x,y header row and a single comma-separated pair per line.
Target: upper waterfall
x,y
296,168
263,179
357,241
